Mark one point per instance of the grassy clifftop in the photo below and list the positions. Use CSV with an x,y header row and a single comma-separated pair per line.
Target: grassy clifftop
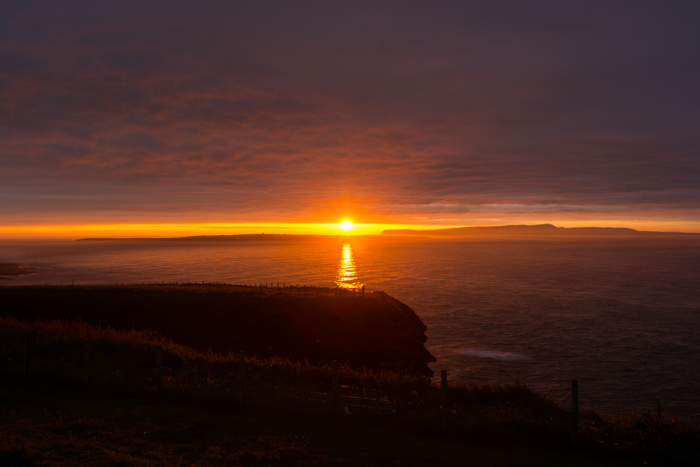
x,y
317,324
187,411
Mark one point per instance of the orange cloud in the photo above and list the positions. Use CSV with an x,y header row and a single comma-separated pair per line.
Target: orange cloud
x,y
169,113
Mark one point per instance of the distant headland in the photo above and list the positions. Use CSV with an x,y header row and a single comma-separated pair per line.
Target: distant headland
x,y
223,238
540,230
11,269
502,231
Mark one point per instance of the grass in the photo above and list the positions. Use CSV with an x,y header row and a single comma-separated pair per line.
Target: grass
x,y
316,323
121,418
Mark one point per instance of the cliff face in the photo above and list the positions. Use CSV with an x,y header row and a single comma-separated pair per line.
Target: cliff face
x,y
375,331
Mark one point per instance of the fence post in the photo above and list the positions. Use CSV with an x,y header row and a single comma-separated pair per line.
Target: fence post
x,y
574,412
25,371
87,362
241,377
159,363
443,397
334,381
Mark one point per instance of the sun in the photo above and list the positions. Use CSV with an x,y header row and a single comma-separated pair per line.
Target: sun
x,y
346,226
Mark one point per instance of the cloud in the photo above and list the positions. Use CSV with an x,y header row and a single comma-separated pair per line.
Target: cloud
x,y
269,110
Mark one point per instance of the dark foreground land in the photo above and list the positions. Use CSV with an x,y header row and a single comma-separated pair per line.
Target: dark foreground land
x,y
73,393
7,269
70,425
370,330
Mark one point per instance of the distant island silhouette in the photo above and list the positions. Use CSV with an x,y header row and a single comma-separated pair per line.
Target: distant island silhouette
x,y
224,238
539,230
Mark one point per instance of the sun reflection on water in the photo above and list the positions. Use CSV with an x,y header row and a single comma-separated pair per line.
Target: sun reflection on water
x,y
347,272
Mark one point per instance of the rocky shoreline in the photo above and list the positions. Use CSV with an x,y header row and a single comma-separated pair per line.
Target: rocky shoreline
x,y
10,269
316,324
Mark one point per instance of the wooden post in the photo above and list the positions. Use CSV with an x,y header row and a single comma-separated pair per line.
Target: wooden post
x,y
241,377
443,397
26,357
574,412
159,363
87,362
334,381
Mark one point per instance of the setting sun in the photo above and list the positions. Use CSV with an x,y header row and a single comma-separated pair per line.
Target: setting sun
x,y
346,226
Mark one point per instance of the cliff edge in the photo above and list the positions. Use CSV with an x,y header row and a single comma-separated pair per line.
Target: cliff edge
x,y
318,324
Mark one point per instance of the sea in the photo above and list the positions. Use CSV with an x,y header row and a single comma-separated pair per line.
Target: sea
x,y
620,315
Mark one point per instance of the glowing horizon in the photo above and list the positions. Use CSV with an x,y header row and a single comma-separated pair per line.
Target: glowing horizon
x,y
182,230
289,132
167,230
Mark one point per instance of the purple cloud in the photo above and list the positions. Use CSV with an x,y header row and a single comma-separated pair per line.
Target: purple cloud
x,y
272,110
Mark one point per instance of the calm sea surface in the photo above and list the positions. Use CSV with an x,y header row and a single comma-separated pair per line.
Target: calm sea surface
x,y
621,316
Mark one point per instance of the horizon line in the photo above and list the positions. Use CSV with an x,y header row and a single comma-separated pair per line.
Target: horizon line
x,y
179,230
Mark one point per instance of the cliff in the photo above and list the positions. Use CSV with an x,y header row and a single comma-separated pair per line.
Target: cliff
x,y
375,331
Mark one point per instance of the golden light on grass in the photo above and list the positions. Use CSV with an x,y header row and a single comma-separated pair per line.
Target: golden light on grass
x,y
346,226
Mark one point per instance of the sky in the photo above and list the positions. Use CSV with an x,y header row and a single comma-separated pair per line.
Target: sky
x,y
169,117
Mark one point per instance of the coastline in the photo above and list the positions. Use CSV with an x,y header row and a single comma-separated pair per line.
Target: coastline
x,y
12,269
317,324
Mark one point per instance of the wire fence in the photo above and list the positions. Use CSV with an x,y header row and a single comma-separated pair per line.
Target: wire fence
x,y
245,380
241,381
